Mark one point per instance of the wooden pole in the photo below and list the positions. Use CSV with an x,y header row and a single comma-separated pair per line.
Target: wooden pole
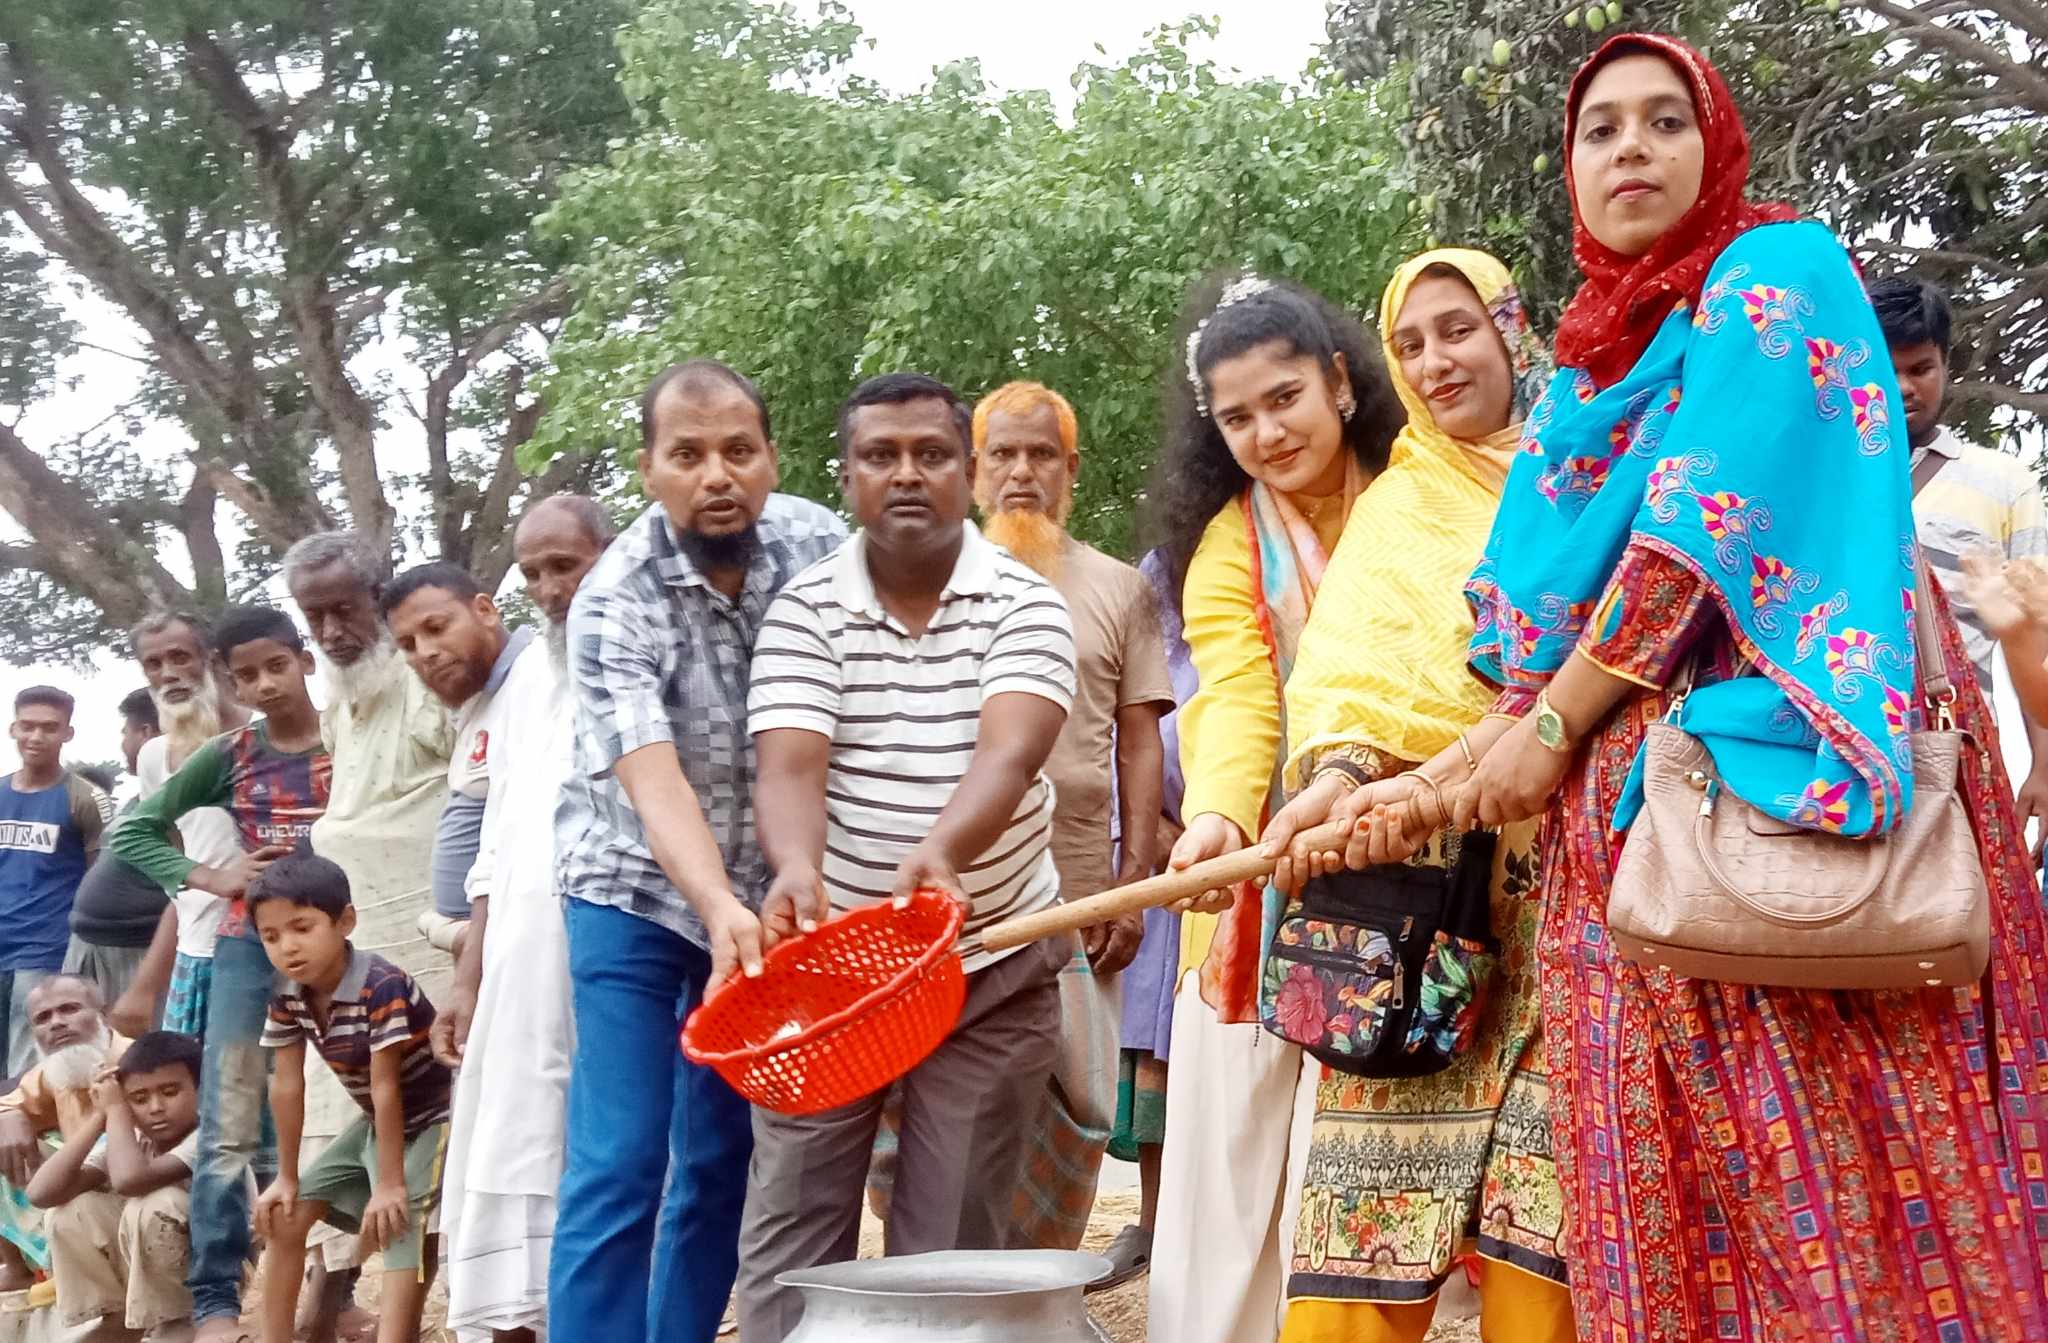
x,y
1247,864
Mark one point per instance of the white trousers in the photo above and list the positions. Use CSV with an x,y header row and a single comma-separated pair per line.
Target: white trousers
x,y
1239,1103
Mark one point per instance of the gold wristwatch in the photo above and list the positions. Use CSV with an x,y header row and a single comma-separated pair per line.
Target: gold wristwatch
x,y
1550,729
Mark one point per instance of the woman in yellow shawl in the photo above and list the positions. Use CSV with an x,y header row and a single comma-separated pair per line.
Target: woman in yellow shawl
x,y
1404,1176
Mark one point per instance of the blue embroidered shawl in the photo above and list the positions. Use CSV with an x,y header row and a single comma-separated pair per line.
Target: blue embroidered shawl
x,y
1754,443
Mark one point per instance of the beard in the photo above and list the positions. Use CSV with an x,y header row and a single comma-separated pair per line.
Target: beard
x,y
364,677
735,551
557,639
73,1067
189,724
1038,542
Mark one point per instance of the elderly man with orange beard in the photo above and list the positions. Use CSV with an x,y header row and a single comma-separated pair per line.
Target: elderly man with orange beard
x,y
1108,761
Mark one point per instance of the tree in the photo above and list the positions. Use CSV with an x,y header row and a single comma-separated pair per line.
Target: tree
x,y
811,229
1917,129
264,189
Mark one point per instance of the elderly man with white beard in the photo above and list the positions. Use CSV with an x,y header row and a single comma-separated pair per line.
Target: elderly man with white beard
x,y
54,1098
508,1026
391,739
193,705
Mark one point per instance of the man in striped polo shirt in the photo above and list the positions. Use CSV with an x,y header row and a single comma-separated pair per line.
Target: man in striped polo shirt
x,y
906,691
1967,499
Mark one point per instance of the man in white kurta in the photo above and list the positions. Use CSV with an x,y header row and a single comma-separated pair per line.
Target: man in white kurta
x,y
508,1026
505,1145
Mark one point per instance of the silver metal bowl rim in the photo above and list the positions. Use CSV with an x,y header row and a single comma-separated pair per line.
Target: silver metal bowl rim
x,y
1096,1265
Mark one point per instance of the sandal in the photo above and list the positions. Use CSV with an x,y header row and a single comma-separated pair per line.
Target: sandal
x,y
1129,1255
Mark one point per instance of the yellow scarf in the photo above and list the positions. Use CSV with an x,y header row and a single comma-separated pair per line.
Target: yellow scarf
x,y
1382,660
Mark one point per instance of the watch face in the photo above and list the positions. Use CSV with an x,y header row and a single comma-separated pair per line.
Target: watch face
x,y
1550,729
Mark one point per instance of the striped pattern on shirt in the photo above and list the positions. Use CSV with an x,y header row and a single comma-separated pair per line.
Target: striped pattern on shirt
x,y
376,1007
1982,501
902,714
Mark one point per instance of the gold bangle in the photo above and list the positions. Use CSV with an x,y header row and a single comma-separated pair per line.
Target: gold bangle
x,y
1350,769
1503,717
1436,794
1465,749
1343,776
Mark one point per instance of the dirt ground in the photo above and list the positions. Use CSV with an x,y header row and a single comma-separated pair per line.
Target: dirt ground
x,y
1120,1313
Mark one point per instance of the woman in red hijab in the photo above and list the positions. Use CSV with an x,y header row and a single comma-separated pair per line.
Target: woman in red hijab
x,y
1714,481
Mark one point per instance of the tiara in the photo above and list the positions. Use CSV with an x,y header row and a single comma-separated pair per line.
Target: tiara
x,y
1237,291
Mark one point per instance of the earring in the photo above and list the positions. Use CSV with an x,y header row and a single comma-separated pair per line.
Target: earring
x,y
1347,405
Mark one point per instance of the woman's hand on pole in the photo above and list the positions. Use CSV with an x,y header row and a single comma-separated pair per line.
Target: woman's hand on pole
x,y
1207,836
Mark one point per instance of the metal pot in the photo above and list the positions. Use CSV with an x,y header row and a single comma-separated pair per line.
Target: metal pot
x,y
955,1296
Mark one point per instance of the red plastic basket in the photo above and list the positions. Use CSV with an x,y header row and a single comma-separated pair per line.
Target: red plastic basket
x,y
840,1013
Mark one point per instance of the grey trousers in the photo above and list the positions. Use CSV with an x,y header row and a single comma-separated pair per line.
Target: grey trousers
x,y
111,969
968,1112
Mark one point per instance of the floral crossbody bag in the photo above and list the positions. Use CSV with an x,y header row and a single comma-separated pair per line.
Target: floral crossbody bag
x,y
1385,972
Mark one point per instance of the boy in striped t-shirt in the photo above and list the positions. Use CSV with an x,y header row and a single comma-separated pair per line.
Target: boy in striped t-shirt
x,y
370,1022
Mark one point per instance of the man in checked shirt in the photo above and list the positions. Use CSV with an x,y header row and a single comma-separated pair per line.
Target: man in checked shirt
x,y
656,857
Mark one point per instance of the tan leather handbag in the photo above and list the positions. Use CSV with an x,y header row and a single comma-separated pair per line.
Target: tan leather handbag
x,y
1712,888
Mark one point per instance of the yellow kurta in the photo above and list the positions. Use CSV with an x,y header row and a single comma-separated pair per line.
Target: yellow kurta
x,y
1231,731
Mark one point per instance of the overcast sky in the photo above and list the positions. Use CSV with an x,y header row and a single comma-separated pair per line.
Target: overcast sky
x,y
1035,45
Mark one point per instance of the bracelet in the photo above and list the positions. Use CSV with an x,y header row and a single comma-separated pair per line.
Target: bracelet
x,y
1465,749
1348,770
1436,794
1503,717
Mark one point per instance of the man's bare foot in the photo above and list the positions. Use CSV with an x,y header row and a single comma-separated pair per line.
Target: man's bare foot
x,y
222,1329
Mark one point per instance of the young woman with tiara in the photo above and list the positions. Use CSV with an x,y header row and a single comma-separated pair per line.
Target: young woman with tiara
x,y
1715,483
1404,1175
1283,417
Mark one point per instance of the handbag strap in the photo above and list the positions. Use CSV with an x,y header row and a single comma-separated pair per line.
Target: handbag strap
x,y
1936,688
1703,841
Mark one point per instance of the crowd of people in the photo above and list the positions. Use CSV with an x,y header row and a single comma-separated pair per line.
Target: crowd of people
x,y
401,972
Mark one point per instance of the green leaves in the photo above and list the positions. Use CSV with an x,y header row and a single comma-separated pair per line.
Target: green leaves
x,y
812,231
264,188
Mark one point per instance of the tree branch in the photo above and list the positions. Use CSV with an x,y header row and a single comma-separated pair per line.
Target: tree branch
x,y
487,534
90,245
202,543
1920,26
1950,254
2029,403
82,237
494,559
276,522
22,557
308,304
2025,15
74,541
551,300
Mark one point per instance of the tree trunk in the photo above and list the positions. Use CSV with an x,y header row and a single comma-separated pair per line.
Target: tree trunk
x,y
79,546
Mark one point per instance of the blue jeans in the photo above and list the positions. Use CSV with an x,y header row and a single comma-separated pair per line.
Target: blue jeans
x,y
234,1125
648,1222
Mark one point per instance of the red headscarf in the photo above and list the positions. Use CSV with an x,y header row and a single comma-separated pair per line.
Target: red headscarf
x,y
1616,313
